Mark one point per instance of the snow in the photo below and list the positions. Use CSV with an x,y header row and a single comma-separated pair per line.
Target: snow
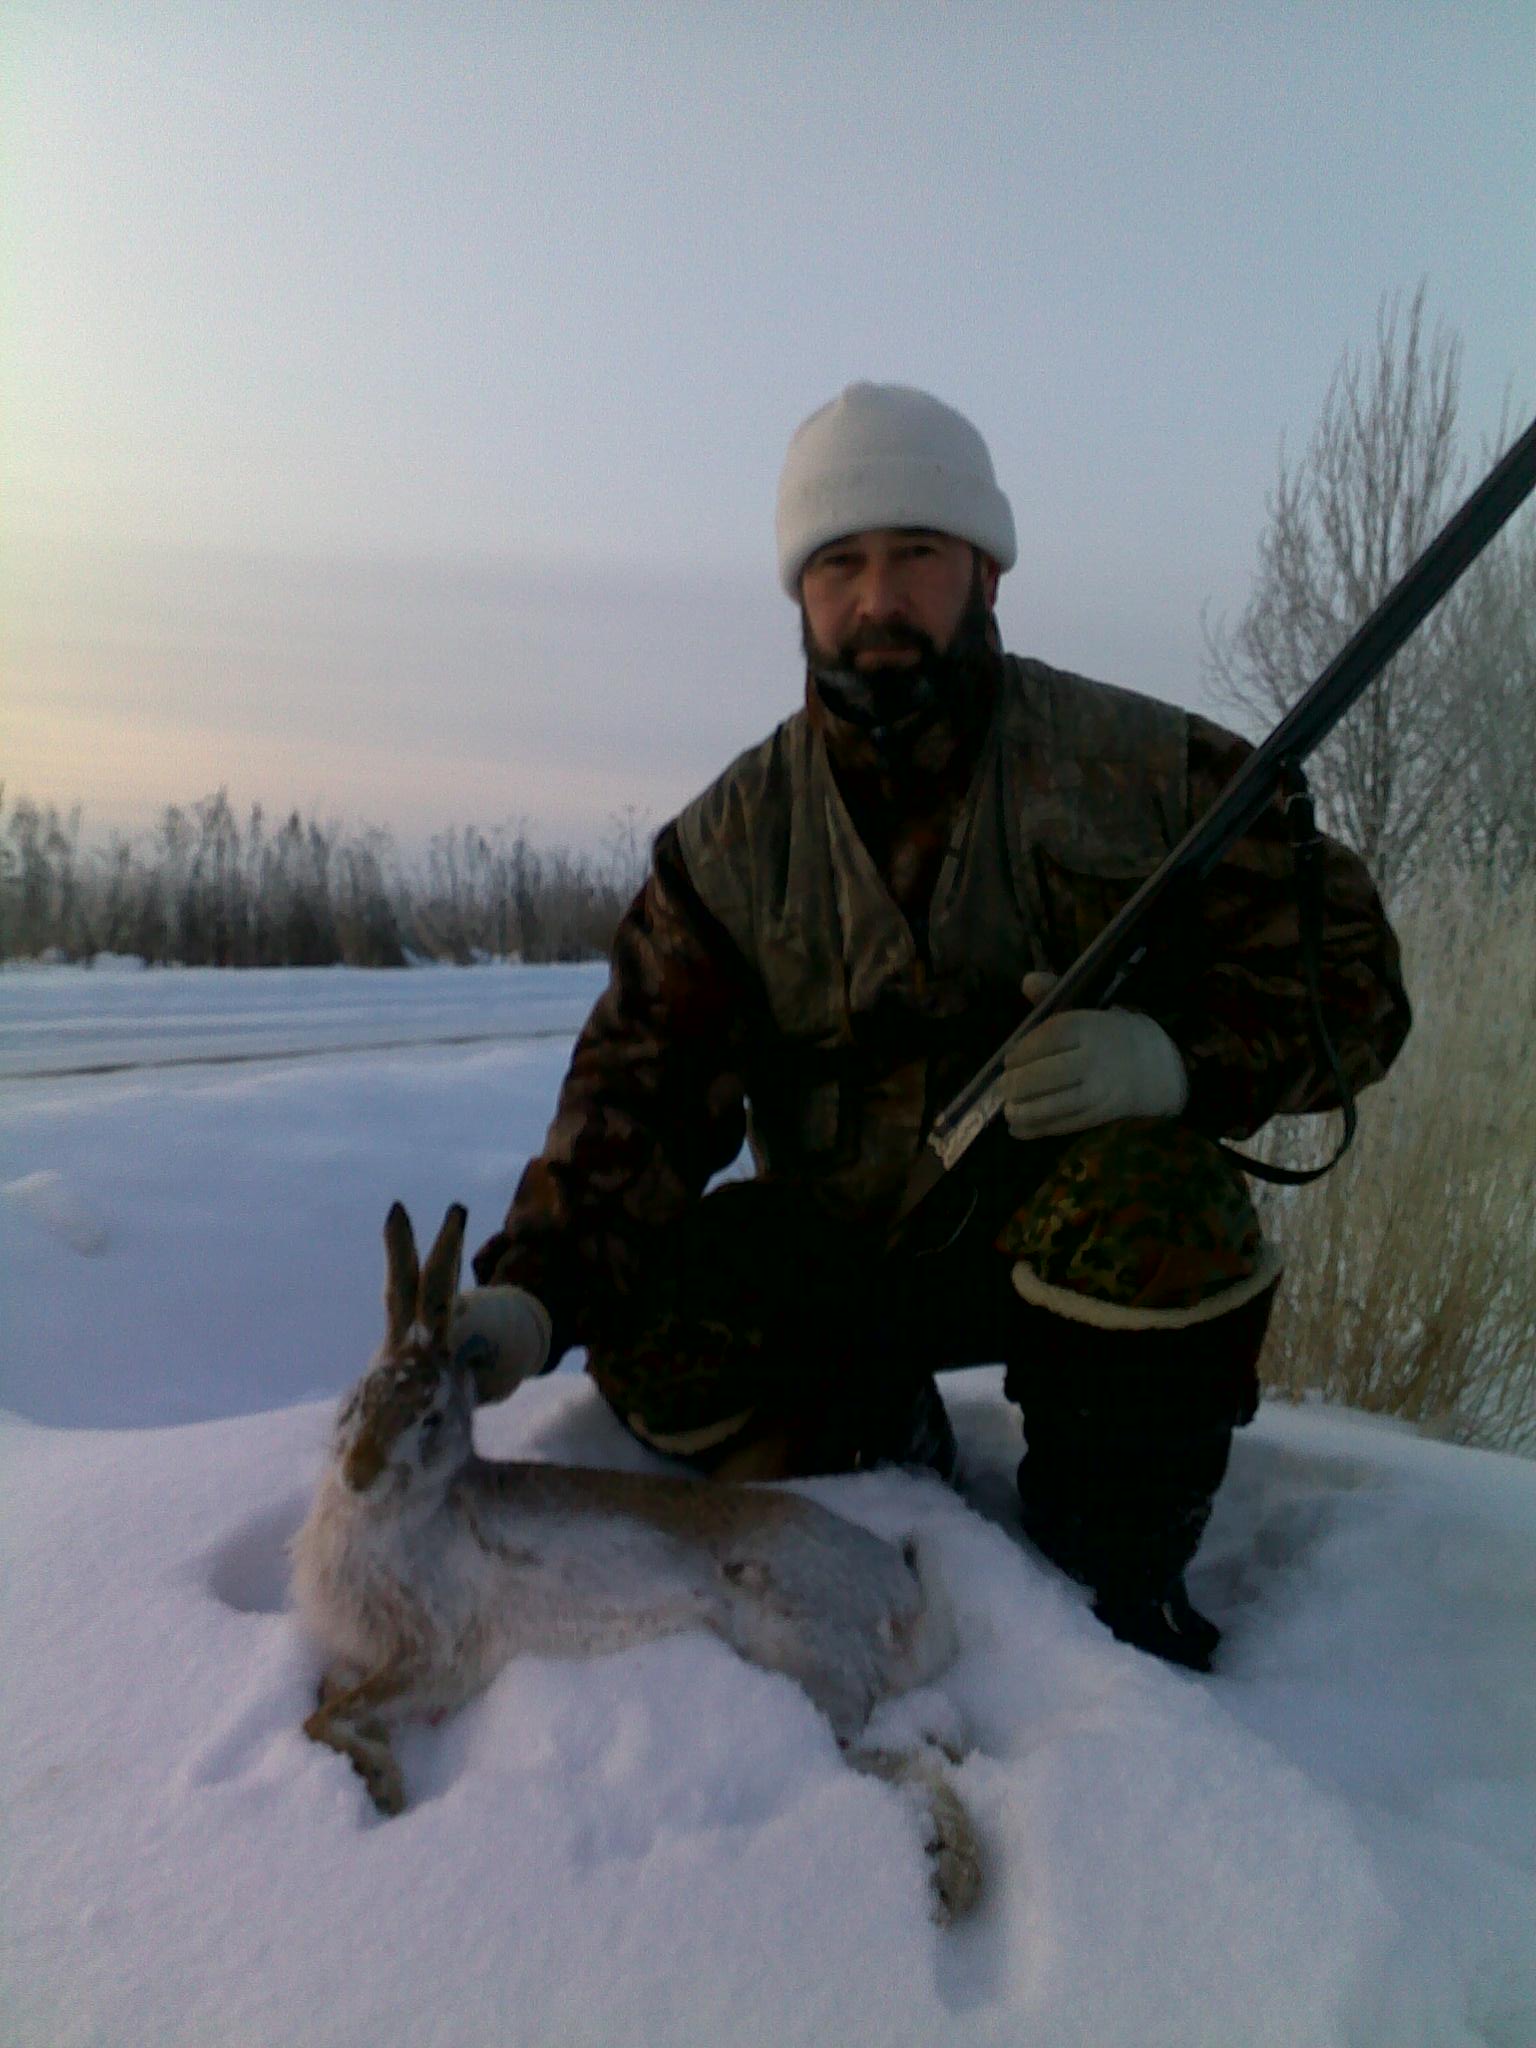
x,y
1331,1841
66,1020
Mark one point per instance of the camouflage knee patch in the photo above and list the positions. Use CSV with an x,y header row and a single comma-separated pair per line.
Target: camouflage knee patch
x,y
1140,1224
685,1387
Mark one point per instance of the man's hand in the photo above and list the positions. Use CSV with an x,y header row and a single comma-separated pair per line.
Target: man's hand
x,y
501,1336
1088,1067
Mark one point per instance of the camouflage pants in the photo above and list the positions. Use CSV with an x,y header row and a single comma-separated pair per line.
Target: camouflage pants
x,y
772,1341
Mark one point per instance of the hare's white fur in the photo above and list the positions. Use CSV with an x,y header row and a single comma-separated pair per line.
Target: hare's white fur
x,y
423,1568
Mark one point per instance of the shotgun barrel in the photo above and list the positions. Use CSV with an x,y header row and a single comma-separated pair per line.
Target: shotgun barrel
x,y
1099,972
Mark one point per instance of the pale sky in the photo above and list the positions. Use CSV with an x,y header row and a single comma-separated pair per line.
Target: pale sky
x,y
392,398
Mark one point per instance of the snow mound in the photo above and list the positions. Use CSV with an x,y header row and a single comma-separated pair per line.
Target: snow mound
x,y
58,1208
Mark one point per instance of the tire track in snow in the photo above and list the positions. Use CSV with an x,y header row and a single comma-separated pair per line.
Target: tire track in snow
x,y
253,1057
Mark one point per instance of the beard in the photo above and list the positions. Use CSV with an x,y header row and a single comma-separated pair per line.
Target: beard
x,y
895,702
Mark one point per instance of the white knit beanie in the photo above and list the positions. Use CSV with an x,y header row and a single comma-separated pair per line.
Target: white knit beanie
x,y
886,455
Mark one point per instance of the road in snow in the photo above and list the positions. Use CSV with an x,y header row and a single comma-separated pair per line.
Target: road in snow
x,y
57,1022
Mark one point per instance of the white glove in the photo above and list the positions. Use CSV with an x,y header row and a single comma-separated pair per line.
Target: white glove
x,y
500,1335
1088,1067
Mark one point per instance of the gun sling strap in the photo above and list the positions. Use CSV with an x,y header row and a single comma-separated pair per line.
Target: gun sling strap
x,y
1307,857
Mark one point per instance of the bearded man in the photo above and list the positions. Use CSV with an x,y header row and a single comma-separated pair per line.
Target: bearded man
x,y
832,938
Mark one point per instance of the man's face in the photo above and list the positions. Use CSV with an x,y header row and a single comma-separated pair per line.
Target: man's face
x,y
890,597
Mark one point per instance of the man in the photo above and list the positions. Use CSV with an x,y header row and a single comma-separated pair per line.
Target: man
x,y
831,939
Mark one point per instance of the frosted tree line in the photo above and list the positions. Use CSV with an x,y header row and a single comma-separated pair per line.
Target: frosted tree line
x,y
209,888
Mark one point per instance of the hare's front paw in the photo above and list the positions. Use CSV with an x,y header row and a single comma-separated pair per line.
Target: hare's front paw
x,y
365,1745
369,1753
381,1775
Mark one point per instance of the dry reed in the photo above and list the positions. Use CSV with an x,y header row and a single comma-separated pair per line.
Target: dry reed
x,y
1411,1269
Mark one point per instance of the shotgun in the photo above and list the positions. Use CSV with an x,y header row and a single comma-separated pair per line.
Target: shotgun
x,y
1103,969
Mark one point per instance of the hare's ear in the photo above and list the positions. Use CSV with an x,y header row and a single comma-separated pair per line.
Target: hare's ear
x,y
400,1287
440,1275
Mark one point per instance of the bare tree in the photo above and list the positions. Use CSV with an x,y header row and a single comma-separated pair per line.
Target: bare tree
x,y
626,850
1382,472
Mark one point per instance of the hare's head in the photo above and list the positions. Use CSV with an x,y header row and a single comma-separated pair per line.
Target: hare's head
x,y
408,1421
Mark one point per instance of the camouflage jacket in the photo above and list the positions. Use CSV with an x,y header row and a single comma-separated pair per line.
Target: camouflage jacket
x,y
824,950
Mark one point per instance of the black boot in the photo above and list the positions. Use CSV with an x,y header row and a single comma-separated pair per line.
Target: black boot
x,y
1170,1628
1127,1434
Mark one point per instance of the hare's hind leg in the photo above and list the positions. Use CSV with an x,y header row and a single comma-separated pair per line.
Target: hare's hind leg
x,y
345,1719
953,1850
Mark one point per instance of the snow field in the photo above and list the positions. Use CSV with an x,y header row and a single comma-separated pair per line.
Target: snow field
x,y
1333,1841
200,1242
119,1015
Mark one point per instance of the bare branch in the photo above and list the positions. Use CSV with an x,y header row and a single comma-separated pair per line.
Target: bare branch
x,y
1431,755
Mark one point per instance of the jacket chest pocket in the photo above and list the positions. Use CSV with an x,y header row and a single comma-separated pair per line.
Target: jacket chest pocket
x,y
1084,864
1077,902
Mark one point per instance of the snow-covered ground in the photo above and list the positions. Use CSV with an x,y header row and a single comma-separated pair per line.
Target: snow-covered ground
x,y
72,1021
1333,1840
